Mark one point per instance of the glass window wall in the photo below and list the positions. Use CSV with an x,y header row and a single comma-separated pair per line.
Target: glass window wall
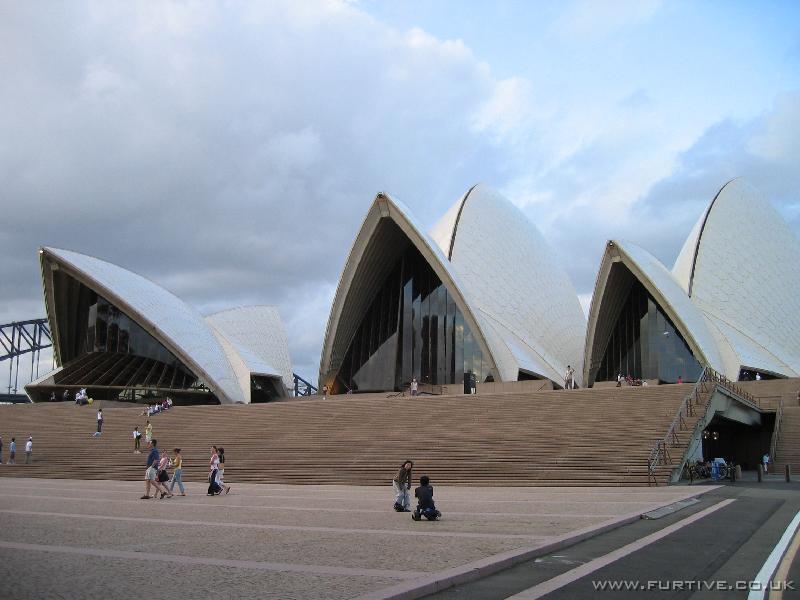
x,y
412,329
645,344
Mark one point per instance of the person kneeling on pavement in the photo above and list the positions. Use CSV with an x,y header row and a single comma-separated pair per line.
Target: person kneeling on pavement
x,y
425,506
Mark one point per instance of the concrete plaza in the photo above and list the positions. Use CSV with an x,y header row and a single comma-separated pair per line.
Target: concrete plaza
x,y
93,539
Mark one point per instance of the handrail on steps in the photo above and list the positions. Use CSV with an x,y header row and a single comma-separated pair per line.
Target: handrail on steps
x,y
776,431
659,453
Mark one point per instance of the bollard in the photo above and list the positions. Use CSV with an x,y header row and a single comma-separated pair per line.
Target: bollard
x,y
788,473
760,473
739,472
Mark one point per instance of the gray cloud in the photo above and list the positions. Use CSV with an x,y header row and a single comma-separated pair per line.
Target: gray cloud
x,y
762,150
228,156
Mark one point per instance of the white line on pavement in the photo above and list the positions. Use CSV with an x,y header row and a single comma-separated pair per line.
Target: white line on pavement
x,y
213,504
337,530
377,492
573,575
218,562
765,574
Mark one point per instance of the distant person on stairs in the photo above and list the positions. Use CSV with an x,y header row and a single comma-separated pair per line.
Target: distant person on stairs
x,y
1,449
402,487
569,378
29,450
148,431
99,422
12,451
414,386
137,440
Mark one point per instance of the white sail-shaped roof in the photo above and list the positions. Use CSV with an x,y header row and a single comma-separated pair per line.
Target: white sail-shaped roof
x,y
610,292
257,336
515,285
520,306
374,248
175,324
742,268
733,292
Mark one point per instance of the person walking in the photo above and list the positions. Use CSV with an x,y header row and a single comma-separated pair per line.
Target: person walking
x,y
12,451
148,431
402,486
414,386
151,474
221,472
29,450
213,463
177,473
99,422
137,438
163,475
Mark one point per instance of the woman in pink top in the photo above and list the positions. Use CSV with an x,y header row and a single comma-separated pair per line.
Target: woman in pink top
x,y
162,476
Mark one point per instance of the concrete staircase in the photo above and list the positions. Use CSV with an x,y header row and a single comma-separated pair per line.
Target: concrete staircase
x,y
552,438
787,450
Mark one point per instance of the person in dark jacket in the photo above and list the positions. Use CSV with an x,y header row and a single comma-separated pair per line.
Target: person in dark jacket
x,y
402,487
425,506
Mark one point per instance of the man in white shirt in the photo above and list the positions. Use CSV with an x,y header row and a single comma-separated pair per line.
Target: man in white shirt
x,y
29,450
99,422
569,378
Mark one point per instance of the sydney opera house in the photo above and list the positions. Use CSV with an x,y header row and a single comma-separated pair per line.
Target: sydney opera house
x,y
482,298
479,298
121,336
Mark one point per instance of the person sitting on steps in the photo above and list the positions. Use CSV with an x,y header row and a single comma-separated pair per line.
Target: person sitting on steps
x,y
425,506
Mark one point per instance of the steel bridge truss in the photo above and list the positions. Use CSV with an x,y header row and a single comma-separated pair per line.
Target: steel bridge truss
x,y
19,338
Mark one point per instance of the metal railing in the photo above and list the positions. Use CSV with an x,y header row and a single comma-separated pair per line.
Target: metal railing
x,y
733,388
701,394
303,387
776,432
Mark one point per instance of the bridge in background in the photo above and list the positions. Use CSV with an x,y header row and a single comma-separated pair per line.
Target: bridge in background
x,y
18,339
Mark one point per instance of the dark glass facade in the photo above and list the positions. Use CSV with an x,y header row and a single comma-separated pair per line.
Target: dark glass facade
x,y
264,389
646,345
110,330
100,346
411,329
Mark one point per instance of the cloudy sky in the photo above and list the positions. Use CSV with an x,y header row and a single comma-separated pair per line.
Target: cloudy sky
x,y
228,151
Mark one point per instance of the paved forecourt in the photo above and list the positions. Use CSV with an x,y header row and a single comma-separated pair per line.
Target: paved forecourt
x,y
79,539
